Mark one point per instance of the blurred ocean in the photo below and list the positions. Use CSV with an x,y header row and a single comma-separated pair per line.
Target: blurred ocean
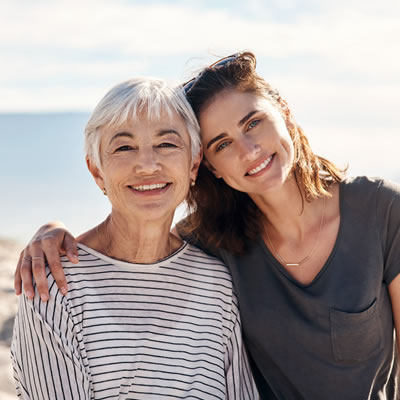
x,y
43,175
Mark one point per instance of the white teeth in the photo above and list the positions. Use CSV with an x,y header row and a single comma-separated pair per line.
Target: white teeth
x,y
260,167
143,188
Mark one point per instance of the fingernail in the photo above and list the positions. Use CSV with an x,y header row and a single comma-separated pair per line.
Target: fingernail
x,y
29,294
63,290
44,297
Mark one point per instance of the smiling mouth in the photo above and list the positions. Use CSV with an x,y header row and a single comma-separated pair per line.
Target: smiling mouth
x,y
262,166
147,188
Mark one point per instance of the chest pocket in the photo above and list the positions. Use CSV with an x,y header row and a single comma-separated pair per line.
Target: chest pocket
x,y
356,336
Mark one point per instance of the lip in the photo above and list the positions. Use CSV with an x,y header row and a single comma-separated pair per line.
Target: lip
x,y
150,192
259,162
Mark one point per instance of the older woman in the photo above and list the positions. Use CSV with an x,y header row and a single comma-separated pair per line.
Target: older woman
x,y
147,316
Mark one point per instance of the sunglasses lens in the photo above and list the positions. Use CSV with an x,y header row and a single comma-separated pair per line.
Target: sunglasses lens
x,y
224,61
188,85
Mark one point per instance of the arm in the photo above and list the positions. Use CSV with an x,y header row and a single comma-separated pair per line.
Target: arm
x,y
49,242
239,379
45,353
394,292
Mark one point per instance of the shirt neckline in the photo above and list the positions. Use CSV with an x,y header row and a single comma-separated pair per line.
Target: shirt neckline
x,y
277,265
146,266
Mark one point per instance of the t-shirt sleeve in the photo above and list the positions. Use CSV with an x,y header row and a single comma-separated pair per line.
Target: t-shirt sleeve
x,y
45,352
388,217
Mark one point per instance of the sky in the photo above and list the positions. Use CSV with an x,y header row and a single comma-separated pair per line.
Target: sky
x,y
337,63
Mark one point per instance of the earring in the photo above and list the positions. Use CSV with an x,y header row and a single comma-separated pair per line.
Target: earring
x,y
192,183
104,191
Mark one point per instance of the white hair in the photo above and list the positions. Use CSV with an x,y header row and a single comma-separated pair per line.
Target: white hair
x,y
127,99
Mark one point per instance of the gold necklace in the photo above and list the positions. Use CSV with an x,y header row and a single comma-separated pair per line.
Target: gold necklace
x,y
280,258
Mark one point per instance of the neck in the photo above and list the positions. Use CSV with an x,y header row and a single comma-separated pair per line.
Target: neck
x,y
132,240
286,212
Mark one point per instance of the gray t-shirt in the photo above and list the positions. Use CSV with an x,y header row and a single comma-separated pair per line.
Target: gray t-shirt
x,y
332,339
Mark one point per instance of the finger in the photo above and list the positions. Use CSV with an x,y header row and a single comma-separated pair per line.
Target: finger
x,y
70,247
53,259
39,274
17,275
26,275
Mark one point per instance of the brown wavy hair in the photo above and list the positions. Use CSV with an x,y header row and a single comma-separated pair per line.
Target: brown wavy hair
x,y
221,216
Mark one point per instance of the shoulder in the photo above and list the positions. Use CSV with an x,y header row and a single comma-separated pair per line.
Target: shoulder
x,y
389,190
364,190
196,256
361,184
208,271
365,183
89,261
374,201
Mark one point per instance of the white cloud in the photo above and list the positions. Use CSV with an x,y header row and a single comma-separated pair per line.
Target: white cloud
x,y
106,39
52,69
55,98
145,29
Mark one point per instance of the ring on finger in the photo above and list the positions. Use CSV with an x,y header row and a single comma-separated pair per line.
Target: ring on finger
x,y
38,258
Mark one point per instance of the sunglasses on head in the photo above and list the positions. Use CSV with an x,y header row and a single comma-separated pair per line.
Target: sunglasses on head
x,y
223,61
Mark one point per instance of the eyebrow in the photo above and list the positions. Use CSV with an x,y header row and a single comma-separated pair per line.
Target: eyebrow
x,y
121,134
247,117
164,132
212,141
241,122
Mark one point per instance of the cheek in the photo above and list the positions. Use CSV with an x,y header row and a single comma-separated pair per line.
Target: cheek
x,y
114,174
223,168
285,138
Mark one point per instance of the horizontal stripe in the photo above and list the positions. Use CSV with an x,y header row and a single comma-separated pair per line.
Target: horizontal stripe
x,y
166,330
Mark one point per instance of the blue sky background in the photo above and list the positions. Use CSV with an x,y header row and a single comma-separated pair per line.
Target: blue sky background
x,y
337,63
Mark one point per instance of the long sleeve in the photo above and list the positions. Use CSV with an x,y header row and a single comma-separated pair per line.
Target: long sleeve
x,y
239,379
45,351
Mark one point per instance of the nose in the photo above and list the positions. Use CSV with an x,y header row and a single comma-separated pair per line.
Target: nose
x,y
248,148
147,162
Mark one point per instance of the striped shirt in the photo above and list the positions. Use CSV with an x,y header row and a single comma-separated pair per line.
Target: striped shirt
x,y
168,330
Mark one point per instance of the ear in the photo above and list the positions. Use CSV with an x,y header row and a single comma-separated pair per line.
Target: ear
x,y
211,168
96,173
196,164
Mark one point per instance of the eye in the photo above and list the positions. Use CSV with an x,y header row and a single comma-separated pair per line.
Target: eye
x,y
253,123
167,144
124,148
222,146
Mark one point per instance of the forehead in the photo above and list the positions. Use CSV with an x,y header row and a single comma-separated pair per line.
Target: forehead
x,y
144,124
232,105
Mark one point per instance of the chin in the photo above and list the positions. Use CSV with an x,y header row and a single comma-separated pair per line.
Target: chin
x,y
154,211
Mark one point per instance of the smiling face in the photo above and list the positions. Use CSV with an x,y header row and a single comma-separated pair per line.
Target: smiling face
x,y
246,142
146,166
